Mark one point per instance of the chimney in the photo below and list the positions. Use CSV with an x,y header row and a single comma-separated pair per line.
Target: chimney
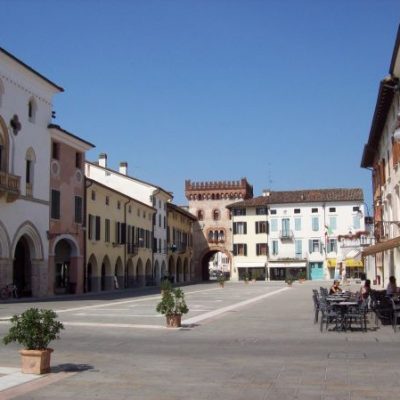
x,y
266,193
103,160
123,168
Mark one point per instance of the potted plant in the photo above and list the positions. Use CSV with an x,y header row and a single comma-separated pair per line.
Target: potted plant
x,y
289,279
302,276
246,277
254,276
173,305
165,285
34,329
221,280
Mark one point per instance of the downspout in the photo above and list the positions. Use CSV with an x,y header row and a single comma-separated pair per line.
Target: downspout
x,y
125,246
84,228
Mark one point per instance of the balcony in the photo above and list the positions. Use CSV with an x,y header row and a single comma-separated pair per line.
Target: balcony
x,y
9,186
286,235
131,249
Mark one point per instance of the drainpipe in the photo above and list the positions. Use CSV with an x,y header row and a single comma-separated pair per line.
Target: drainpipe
x,y
87,184
125,246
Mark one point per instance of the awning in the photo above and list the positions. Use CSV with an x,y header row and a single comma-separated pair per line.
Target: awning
x,y
382,246
331,262
287,265
353,263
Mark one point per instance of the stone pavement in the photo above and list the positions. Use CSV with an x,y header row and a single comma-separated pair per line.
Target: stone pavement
x,y
266,347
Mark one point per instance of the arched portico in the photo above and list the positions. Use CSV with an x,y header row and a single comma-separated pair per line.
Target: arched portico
x,y
92,275
107,278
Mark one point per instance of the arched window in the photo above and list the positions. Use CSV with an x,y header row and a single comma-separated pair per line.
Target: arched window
x,y
210,236
4,146
32,108
216,215
221,236
200,215
30,160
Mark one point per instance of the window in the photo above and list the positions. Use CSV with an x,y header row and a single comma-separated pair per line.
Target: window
x,y
240,228
240,249
297,210
332,209
28,177
261,211
314,210
97,233
274,247
93,195
332,246
216,215
298,248
261,227
32,110
239,211
107,200
332,223
273,212
118,205
297,224
78,209
78,160
55,204
55,151
261,249
315,223
200,215
356,209
159,220
356,221
314,246
130,209
285,227
107,230
274,225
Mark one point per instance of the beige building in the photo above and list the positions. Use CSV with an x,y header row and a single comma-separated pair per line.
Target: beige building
x,y
180,243
119,240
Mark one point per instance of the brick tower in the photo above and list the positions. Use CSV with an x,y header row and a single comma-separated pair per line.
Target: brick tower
x,y
212,233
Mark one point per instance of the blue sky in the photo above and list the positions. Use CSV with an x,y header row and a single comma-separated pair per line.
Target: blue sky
x,y
280,92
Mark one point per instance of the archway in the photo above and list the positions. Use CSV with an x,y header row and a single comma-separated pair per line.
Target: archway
x,y
179,270
118,274
92,276
171,268
186,275
215,262
22,268
106,280
157,272
130,274
149,275
140,276
63,277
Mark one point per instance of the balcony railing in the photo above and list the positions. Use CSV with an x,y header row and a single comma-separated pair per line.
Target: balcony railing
x,y
286,235
9,186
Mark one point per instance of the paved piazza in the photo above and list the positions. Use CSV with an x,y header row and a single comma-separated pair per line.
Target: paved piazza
x,y
254,341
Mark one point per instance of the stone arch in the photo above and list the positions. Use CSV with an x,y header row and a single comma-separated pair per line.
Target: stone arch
x,y
164,271
206,255
28,230
171,267
140,273
130,273
186,274
71,240
118,274
179,270
106,276
149,273
4,242
157,271
92,276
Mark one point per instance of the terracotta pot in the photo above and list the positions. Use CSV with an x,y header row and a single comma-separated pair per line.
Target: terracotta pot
x,y
35,361
174,320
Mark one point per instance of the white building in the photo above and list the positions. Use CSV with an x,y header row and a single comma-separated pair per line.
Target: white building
x,y
382,156
145,192
25,113
287,233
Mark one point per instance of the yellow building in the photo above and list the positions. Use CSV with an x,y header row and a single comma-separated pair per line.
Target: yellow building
x,y
180,243
119,240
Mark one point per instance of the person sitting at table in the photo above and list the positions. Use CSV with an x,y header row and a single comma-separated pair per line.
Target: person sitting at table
x,y
365,290
335,288
392,286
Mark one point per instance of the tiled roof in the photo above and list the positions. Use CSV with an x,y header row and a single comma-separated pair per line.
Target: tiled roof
x,y
303,196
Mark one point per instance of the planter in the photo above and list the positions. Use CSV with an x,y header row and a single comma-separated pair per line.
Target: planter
x,y
35,361
174,320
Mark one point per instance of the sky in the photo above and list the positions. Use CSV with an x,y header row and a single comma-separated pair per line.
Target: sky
x,y
280,92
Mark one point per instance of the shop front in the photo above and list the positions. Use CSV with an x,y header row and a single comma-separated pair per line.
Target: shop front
x,y
280,271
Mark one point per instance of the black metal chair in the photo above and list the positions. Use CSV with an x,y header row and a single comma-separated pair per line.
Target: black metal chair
x,y
395,313
315,298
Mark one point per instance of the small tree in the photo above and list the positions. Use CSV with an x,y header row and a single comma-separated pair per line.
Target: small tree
x,y
172,303
34,329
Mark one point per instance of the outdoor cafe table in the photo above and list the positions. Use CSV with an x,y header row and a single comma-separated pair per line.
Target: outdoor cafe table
x,y
343,308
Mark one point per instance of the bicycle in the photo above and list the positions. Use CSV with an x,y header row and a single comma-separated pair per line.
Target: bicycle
x,y
8,291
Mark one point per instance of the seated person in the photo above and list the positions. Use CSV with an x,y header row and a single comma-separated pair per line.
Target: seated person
x,y
392,286
335,288
365,290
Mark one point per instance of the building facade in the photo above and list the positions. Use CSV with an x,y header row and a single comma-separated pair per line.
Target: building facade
x,y
147,193
180,244
212,231
293,233
25,113
381,155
